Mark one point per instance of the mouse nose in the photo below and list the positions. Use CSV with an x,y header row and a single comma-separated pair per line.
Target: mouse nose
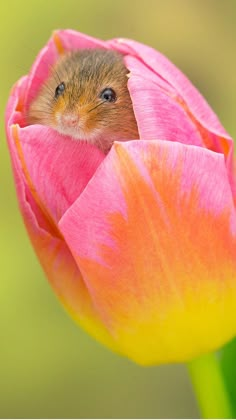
x,y
70,120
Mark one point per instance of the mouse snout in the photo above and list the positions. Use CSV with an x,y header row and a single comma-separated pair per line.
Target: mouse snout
x,y
69,120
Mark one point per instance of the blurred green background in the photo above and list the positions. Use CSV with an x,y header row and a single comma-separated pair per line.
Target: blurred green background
x,y
48,366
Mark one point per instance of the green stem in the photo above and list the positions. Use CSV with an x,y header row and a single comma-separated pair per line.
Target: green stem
x,y
209,387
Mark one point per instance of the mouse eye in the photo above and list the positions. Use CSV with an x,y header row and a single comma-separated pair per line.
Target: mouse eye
x,y
59,89
108,95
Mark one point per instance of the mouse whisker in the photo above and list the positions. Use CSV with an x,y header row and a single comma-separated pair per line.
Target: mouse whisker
x,y
96,106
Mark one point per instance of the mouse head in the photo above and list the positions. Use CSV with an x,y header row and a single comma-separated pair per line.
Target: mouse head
x,y
86,97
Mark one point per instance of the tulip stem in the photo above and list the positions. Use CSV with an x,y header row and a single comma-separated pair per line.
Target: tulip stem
x,y
209,387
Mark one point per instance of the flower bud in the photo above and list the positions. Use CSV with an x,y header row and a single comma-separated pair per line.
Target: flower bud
x,y
138,244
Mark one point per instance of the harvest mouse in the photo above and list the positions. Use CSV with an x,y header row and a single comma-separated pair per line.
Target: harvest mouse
x,y
86,97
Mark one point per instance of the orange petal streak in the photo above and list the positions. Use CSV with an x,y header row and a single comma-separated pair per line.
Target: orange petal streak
x,y
58,43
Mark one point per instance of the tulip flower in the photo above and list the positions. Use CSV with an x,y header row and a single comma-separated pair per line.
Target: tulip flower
x,y
139,244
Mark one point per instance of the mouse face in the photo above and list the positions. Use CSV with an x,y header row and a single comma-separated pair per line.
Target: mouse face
x,y
86,97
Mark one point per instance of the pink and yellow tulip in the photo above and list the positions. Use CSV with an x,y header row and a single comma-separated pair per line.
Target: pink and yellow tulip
x,y
139,245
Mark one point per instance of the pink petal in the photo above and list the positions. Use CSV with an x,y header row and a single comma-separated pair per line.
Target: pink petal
x,y
104,194
15,106
40,71
73,40
160,65
58,262
158,115
154,235
58,167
